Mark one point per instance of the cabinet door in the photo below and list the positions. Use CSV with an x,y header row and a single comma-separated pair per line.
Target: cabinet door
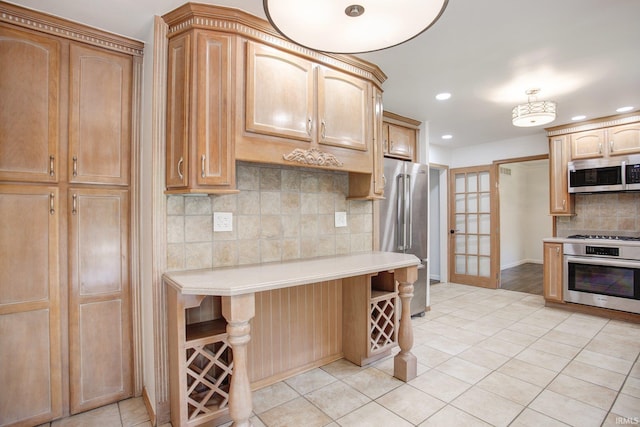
x,y
29,116
587,145
552,258
624,139
30,347
378,151
99,115
344,110
215,157
100,359
560,202
279,93
401,142
179,81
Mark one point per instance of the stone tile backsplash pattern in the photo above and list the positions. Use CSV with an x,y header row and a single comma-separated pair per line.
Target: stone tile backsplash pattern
x,y
280,213
603,212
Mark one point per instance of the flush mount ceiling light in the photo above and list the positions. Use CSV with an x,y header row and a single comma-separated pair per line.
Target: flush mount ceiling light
x,y
534,112
344,27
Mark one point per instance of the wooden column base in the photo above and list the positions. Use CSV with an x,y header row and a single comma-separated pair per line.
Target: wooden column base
x,y
405,364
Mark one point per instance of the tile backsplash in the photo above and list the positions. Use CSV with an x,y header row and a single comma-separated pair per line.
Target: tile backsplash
x,y
603,212
280,213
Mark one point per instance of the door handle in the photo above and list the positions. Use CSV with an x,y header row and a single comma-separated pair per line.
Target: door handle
x,y
453,231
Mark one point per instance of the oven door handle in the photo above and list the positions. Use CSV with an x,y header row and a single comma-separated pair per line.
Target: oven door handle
x,y
607,262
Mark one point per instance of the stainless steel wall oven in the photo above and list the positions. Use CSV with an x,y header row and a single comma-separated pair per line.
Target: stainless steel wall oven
x,y
603,271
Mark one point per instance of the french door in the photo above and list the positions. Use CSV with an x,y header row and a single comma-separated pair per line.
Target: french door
x,y
472,218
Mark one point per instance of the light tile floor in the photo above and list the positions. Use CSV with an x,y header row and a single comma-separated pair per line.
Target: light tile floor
x,y
485,358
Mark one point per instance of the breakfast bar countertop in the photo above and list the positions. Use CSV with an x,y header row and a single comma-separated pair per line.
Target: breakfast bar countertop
x,y
230,281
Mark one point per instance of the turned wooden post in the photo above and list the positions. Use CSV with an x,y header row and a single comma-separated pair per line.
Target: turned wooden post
x,y
238,310
405,364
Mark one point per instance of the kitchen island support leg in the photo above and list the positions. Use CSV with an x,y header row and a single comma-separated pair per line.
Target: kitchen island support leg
x,y
238,311
405,364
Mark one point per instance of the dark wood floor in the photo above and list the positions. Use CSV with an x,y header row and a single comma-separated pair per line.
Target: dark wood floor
x,y
523,278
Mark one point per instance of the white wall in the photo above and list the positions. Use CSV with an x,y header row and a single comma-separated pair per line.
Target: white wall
x,y
484,154
524,216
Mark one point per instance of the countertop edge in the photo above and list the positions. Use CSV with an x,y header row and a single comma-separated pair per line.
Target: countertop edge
x,y
203,282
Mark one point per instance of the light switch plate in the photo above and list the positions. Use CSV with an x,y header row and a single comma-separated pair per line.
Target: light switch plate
x,y
222,221
341,219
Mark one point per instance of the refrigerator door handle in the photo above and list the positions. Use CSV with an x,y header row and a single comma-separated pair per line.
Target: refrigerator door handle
x,y
400,234
409,211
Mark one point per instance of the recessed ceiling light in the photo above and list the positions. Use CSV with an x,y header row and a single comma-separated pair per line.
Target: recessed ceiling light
x,y
624,109
580,117
447,136
443,96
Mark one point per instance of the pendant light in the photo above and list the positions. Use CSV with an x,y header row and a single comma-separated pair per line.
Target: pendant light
x,y
343,27
534,112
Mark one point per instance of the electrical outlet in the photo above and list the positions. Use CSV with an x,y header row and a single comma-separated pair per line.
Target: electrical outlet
x,y
222,221
341,219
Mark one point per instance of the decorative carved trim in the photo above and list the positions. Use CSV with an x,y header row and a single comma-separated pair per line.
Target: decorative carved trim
x,y
235,21
594,125
313,157
60,27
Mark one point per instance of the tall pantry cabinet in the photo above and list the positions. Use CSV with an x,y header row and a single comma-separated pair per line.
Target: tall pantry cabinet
x,y
66,96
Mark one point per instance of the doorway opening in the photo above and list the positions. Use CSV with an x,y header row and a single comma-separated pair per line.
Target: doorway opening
x,y
523,192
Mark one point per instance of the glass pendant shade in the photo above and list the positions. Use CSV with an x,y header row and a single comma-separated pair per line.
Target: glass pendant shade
x,y
352,26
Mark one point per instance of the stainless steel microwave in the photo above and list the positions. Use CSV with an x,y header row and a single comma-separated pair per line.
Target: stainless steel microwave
x,y
601,175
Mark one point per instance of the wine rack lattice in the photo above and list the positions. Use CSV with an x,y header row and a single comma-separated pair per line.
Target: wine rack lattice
x,y
209,369
383,323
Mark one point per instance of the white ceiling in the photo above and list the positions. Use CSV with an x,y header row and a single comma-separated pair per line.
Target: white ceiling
x,y
583,54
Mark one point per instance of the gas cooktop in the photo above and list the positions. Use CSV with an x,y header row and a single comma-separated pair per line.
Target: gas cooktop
x,y
604,237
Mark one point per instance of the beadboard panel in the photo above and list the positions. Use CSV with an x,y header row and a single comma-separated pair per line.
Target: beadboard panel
x,y
293,328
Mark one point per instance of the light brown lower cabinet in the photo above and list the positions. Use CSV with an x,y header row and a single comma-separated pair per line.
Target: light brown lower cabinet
x,y
32,258
99,315
553,271
30,336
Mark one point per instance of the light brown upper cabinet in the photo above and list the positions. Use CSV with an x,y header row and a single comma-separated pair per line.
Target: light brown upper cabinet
x,y
252,96
560,201
400,136
200,155
613,141
280,96
29,126
99,116
291,97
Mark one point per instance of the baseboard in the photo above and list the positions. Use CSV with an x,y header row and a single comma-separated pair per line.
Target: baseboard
x,y
435,277
150,410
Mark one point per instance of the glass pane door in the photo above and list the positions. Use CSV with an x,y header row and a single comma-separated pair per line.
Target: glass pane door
x,y
472,246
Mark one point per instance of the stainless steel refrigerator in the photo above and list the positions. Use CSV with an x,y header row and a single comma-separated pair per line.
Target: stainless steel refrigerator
x,y
403,219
